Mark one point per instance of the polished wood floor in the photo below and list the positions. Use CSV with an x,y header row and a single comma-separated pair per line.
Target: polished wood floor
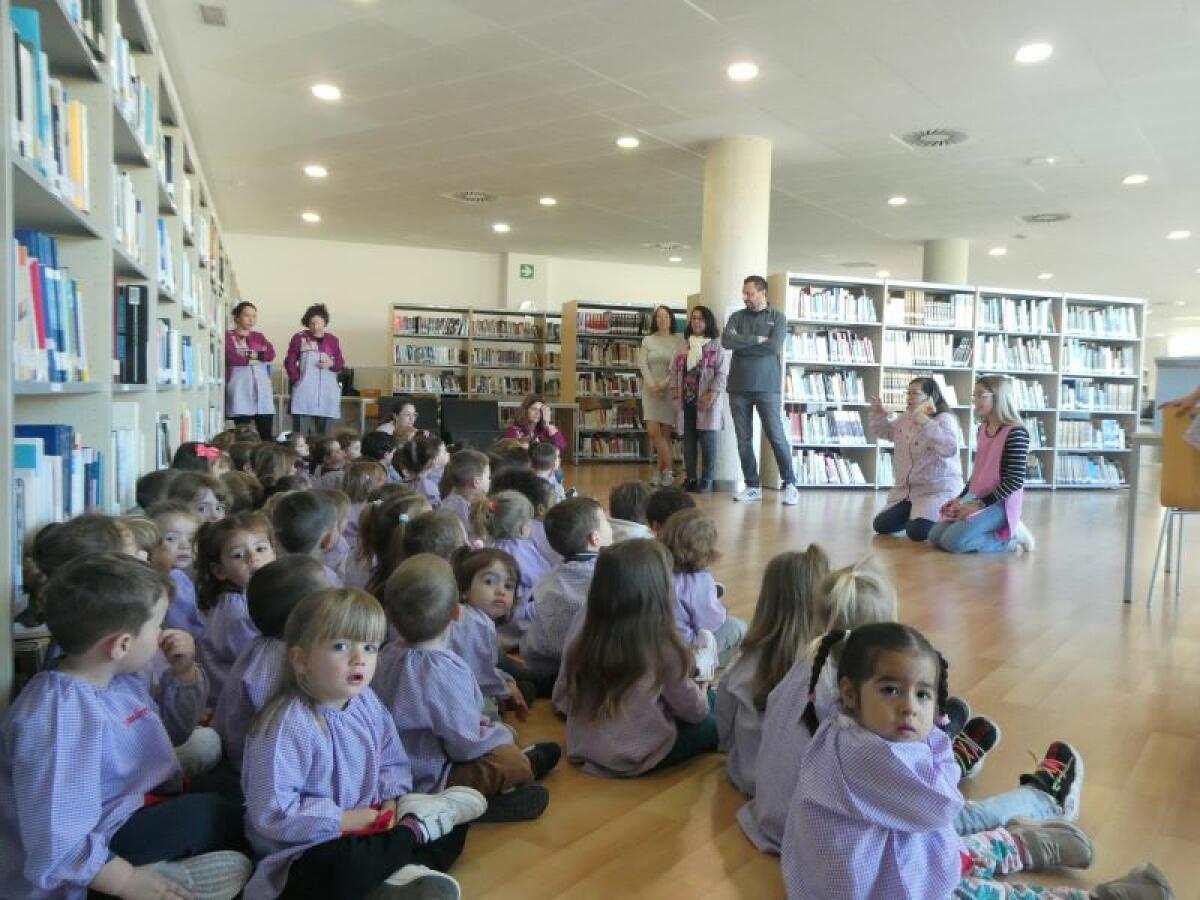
x,y
1041,643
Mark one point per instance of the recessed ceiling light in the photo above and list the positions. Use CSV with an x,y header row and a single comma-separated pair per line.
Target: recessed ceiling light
x,y
675,259
998,251
1034,53
742,71
1181,303
315,171
501,227
1160,334
1045,276
329,92
310,217
883,273
897,201
1181,234
627,142
1135,178
1042,161
548,201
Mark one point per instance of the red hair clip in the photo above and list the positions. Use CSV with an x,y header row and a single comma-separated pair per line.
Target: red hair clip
x,y
494,504
206,452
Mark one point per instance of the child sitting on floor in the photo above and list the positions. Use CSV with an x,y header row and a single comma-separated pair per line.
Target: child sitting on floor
x,y
466,479
174,555
306,523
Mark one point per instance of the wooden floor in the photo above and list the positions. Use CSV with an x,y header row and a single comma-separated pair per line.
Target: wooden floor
x,y
1041,643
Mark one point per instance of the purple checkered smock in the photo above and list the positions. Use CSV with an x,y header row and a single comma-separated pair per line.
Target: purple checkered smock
x,y
304,769
75,763
334,579
473,639
873,819
429,487
696,604
739,722
557,598
532,565
537,534
335,558
359,571
461,507
227,632
435,703
183,612
253,680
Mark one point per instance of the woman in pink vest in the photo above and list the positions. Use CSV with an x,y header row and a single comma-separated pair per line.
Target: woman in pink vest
x,y
926,460
699,373
986,517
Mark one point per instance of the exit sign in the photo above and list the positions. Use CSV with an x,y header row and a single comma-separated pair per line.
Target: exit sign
x,y
526,270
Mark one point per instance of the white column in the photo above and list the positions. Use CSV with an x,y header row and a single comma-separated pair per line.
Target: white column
x,y
737,214
946,260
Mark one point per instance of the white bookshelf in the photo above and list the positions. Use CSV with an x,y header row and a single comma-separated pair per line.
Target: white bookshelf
x,y
1077,359
118,153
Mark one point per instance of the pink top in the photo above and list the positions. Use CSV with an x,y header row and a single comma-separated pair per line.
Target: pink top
x,y
237,346
328,344
525,433
926,460
989,454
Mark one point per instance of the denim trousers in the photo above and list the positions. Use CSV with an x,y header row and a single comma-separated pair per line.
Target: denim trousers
x,y
770,410
975,535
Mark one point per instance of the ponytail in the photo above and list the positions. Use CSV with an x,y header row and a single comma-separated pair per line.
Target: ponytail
x,y
831,640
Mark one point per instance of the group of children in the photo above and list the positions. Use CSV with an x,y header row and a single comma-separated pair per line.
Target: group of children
x,y
288,677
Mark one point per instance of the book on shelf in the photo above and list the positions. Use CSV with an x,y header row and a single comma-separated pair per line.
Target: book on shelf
x,y
822,386
1030,314
1092,470
843,427
523,328
1035,472
1037,433
47,125
162,441
502,385
554,331
75,472
551,387
1107,434
1086,394
166,259
133,94
1021,354
829,304
815,467
187,361
886,469
187,210
616,418
610,446
49,336
894,386
614,322
131,322
167,151
503,356
915,307
828,346
129,222
427,355
617,353
429,326
610,384
406,382
167,352
88,16
926,348
1086,356
1102,321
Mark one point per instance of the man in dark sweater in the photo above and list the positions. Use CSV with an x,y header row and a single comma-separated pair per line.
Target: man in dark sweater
x,y
756,335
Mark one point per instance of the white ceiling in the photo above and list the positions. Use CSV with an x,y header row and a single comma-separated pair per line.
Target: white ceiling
x,y
525,97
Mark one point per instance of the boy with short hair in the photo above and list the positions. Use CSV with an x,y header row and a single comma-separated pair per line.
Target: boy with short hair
x,y
627,510
544,460
306,522
664,503
466,479
152,487
381,447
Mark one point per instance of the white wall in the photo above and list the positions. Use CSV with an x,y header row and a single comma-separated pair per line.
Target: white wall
x,y
582,279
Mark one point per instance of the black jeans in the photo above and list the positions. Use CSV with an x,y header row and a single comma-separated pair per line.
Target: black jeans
x,y
897,518
351,867
182,826
264,423
770,411
310,424
693,440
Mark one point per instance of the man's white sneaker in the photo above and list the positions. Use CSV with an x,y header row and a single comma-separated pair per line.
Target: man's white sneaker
x,y
791,496
438,814
749,495
415,882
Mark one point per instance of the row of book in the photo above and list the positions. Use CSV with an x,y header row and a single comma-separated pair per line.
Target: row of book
x,y
517,329
427,383
915,307
820,467
166,259
831,427
618,353
803,386
1084,356
828,346
131,321
1029,393
168,352
427,355
1037,433
55,478
1102,321
894,387
1084,394
129,219
1107,434
168,149
611,446
195,295
49,336
885,470
612,321
47,125
617,418
88,17
132,93
1016,314
612,384
926,348
433,326
1074,469
1035,472
829,304
502,356
502,385
1026,354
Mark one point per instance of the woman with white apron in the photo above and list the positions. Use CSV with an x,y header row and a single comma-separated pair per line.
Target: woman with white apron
x,y
248,373
313,360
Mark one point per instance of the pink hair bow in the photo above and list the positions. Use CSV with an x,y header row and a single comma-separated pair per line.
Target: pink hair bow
x,y
206,452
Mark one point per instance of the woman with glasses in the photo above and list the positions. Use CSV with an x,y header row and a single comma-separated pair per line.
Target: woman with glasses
x,y
986,517
926,459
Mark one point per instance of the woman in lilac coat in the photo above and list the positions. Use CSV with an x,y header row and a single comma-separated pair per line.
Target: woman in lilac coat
x,y
314,358
700,372
927,463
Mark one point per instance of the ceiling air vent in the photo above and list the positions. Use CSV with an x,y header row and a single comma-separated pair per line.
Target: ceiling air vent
x,y
213,15
857,264
472,198
929,138
666,246
1046,218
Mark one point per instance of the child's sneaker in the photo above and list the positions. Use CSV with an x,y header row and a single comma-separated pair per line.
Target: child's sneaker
x,y
415,882
979,737
438,814
958,713
1144,882
708,657
519,804
1060,774
210,876
543,757
1050,844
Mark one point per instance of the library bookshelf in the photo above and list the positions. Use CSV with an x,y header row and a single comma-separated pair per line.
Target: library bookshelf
x,y
1075,361
102,187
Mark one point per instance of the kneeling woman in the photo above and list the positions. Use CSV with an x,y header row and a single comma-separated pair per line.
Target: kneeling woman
x,y
986,517
926,460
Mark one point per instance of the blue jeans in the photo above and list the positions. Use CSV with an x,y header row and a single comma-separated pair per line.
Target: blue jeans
x,y
770,411
993,812
975,535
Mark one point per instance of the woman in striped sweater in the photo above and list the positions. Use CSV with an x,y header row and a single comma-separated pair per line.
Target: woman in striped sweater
x,y
986,516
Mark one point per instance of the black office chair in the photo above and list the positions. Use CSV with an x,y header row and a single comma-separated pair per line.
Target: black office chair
x,y
470,423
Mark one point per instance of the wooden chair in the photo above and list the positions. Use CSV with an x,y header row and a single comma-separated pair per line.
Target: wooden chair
x,y
1179,494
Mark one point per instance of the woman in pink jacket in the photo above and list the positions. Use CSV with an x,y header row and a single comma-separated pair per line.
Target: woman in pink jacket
x,y
927,463
700,372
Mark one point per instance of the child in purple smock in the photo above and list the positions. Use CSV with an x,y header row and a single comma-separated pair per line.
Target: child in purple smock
x,y
423,460
381,538
177,526
466,479
505,521
306,522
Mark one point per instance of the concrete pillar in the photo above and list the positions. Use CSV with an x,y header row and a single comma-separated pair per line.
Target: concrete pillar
x,y
946,260
736,222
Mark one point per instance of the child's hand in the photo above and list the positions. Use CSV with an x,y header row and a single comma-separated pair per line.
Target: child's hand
x,y
949,509
966,510
145,883
515,703
389,806
179,647
358,819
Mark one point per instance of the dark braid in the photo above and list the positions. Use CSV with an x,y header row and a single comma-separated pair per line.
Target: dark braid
x,y
828,642
943,686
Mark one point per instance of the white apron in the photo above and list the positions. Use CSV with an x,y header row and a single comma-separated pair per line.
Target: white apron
x,y
317,392
248,392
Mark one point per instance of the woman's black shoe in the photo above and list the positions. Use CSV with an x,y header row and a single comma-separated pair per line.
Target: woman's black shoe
x,y
705,486
691,486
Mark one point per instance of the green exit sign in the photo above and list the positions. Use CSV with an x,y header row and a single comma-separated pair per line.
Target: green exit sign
x,y
526,270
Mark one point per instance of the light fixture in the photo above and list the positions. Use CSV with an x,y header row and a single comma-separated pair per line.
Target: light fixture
x,y
675,259
315,171
1135,178
1034,53
328,92
742,71
1181,234
1041,161
501,227
310,217
1198,271
1181,303
883,273
627,142
1160,334
897,201
1045,276
998,251
548,201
